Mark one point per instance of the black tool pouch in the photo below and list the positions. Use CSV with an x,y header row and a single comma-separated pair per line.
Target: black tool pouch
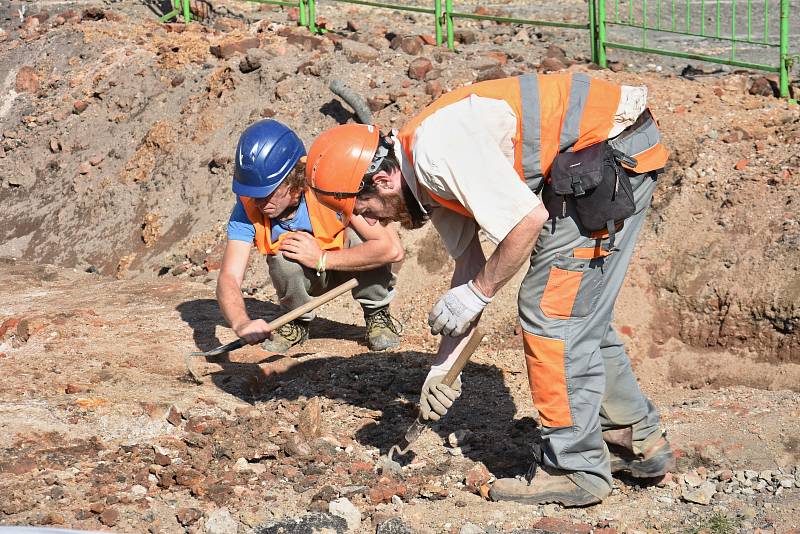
x,y
600,187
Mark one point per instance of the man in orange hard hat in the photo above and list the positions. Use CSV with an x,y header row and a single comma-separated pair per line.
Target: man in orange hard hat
x,y
480,157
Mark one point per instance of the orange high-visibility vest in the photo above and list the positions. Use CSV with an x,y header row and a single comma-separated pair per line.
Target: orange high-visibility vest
x,y
555,112
328,229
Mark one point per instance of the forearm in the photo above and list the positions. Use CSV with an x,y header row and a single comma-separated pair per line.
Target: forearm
x,y
231,303
511,253
468,265
363,257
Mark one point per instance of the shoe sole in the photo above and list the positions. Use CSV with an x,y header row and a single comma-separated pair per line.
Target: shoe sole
x,y
564,499
654,467
285,350
387,347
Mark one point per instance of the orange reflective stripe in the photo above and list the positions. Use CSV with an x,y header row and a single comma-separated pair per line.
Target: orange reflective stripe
x,y
327,229
544,358
598,113
452,205
590,253
652,159
553,102
560,292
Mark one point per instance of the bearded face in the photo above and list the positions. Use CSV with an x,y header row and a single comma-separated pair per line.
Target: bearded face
x,y
385,207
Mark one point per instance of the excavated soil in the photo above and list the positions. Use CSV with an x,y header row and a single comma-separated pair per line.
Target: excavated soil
x,y
115,164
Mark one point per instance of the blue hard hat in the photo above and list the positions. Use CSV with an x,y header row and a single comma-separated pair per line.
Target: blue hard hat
x,y
266,153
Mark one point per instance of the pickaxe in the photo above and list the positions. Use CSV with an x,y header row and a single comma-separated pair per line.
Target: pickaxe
x,y
312,304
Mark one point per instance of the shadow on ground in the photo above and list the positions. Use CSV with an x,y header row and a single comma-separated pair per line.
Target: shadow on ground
x,y
385,381
203,316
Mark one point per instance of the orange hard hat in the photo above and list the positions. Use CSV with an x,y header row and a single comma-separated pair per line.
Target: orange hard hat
x,y
337,163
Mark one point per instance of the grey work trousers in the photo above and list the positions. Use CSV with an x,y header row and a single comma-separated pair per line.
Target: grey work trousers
x,y
581,378
296,284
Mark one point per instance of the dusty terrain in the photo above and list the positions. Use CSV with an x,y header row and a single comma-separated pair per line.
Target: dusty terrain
x,y
115,162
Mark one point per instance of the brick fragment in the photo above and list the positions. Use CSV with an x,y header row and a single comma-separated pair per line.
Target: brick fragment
x,y
188,516
477,476
411,45
419,68
226,50
109,517
27,80
356,52
434,88
762,86
494,73
551,64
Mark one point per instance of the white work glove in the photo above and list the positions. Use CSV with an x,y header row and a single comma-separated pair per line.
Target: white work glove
x,y
436,398
457,310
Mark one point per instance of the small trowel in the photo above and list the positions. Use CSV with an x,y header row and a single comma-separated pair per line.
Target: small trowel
x,y
416,428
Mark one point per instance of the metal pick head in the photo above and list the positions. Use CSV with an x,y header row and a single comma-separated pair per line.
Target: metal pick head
x,y
414,431
397,450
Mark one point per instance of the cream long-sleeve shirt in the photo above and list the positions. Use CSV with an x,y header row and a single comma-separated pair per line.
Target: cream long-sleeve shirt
x,y
465,152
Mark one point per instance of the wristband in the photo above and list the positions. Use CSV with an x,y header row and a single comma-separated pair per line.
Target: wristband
x,y
321,263
478,293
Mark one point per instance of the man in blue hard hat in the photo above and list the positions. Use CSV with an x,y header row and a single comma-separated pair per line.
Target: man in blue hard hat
x,y
307,248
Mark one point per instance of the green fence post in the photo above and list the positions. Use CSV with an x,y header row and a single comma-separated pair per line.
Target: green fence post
x,y
303,19
448,19
784,48
593,31
437,13
601,34
312,16
187,12
174,13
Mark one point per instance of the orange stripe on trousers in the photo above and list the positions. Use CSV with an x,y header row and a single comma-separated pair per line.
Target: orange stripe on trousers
x,y
544,358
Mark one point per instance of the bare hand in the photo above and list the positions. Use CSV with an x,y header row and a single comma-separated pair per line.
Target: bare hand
x,y
253,331
302,247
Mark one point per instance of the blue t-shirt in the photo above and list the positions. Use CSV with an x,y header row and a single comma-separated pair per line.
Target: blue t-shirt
x,y
241,229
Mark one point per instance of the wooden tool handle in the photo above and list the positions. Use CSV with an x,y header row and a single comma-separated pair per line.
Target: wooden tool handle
x,y
316,302
474,340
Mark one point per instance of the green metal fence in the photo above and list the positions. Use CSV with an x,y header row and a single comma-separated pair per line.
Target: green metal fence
x,y
179,7
755,34
435,11
451,14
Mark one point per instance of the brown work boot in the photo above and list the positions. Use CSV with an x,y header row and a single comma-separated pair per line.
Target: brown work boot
x,y
383,330
656,461
287,336
543,488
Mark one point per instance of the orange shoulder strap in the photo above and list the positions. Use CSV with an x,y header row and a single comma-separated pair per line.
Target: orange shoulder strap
x,y
452,205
